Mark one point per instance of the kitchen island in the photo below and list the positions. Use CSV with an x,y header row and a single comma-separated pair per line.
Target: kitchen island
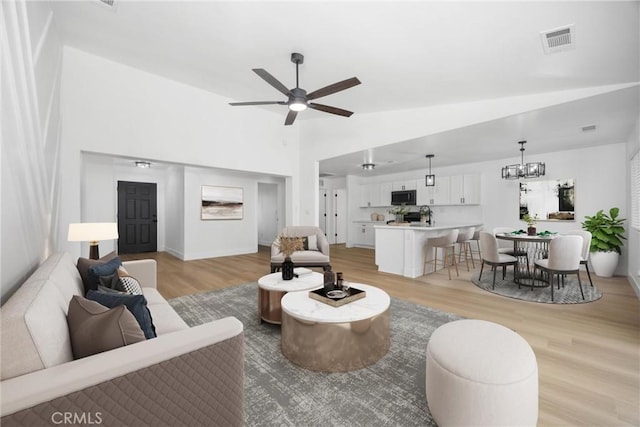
x,y
400,249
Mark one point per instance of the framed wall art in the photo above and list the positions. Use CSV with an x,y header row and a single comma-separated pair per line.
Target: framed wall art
x,y
550,200
221,203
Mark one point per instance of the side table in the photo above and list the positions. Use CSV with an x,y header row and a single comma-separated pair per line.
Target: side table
x,y
271,289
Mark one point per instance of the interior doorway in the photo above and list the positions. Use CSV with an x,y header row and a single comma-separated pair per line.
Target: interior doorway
x,y
268,217
137,217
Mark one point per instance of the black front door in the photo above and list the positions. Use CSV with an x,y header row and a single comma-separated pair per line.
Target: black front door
x,y
137,217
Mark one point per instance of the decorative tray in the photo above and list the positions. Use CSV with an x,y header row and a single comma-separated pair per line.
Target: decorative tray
x,y
337,298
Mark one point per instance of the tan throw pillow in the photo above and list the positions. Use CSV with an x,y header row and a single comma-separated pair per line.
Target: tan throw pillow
x,y
95,328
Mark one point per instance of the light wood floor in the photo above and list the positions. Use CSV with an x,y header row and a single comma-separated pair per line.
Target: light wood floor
x,y
588,354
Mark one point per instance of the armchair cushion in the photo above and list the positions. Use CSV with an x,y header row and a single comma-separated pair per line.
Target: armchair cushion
x,y
316,253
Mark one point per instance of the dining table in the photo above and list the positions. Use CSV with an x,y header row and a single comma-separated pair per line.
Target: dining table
x,y
531,248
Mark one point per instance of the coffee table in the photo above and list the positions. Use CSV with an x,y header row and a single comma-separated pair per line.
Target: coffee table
x,y
320,337
271,289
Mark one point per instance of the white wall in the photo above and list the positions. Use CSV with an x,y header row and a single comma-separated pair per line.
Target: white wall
x,y
30,58
601,180
633,234
113,109
174,211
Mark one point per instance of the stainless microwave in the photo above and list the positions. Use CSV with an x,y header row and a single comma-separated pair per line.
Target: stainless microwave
x,y
404,197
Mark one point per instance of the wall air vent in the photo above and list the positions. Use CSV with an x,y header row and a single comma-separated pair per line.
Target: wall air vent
x,y
559,39
589,128
326,174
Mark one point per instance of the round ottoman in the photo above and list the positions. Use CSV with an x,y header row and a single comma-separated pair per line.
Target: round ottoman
x,y
481,373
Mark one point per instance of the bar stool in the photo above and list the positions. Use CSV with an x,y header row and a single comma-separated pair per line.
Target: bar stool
x,y
476,238
464,243
447,243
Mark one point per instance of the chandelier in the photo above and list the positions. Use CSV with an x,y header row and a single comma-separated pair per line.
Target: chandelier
x,y
523,170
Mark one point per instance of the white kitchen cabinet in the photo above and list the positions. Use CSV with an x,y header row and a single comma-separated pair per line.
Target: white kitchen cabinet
x,y
384,194
404,185
436,195
465,189
365,235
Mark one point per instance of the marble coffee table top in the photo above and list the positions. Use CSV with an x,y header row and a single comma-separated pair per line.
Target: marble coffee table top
x,y
274,282
300,306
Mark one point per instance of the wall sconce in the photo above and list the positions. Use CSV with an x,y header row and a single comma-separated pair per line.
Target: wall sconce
x,y
430,179
92,232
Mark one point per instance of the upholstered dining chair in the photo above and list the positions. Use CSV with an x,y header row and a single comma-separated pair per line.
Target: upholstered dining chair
x,y
464,245
447,243
507,247
565,253
316,254
586,247
492,256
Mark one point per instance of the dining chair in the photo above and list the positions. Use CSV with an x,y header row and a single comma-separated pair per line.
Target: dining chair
x,y
447,243
508,247
586,246
492,256
565,254
464,245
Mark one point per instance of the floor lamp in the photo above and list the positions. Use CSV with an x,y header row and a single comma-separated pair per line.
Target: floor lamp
x,y
93,232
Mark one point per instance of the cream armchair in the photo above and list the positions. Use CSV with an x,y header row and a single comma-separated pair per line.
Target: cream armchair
x,y
316,256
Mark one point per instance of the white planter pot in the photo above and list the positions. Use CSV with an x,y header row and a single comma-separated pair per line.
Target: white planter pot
x,y
604,263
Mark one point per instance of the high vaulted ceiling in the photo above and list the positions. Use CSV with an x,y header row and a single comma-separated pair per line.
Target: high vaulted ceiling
x,y
406,54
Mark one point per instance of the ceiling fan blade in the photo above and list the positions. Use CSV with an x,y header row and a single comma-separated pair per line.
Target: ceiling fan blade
x,y
235,104
329,109
290,117
336,87
272,81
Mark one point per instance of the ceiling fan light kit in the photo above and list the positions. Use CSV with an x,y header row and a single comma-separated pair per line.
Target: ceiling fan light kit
x,y
298,99
523,170
368,166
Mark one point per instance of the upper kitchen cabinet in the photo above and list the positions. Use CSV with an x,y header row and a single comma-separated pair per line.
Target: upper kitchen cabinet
x,y
465,189
436,195
375,194
404,185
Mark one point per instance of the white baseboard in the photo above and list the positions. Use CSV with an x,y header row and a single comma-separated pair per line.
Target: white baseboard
x,y
215,254
175,253
635,283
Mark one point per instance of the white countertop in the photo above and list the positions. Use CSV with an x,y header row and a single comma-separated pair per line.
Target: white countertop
x,y
434,227
300,306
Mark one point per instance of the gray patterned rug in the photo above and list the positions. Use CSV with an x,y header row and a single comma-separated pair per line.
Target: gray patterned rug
x,y
569,294
278,393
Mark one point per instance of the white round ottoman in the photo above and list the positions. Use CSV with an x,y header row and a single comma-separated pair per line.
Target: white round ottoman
x,y
481,373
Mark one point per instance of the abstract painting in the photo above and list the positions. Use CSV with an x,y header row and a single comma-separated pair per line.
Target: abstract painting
x,y
221,202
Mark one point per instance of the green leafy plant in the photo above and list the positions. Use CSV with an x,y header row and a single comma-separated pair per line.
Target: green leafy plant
x,y
424,210
531,221
607,231
399,210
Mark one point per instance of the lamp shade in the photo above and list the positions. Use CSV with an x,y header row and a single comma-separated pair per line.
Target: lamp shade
x,y
92,231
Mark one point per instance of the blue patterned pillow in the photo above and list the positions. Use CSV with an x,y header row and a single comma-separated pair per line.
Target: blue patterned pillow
x,y
137,305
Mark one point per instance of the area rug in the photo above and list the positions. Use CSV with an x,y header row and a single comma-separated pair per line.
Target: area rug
x,y
569,294
278,393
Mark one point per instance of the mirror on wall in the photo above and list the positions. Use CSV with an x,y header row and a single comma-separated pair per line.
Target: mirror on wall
x,y
550,200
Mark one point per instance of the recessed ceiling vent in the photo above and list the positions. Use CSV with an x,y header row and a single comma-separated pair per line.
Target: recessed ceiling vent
x,y
326,174
558,39
589,128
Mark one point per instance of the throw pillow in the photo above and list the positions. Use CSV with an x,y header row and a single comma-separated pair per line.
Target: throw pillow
x,y
137,305
103,269
94,328
111,282
127,283
311,243
84,264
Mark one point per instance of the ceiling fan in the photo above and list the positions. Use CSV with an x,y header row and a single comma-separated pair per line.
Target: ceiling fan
x,y
299,98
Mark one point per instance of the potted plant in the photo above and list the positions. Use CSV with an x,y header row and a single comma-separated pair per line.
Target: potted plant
x,y
287,246
531,222
399,212
425,214
607,233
